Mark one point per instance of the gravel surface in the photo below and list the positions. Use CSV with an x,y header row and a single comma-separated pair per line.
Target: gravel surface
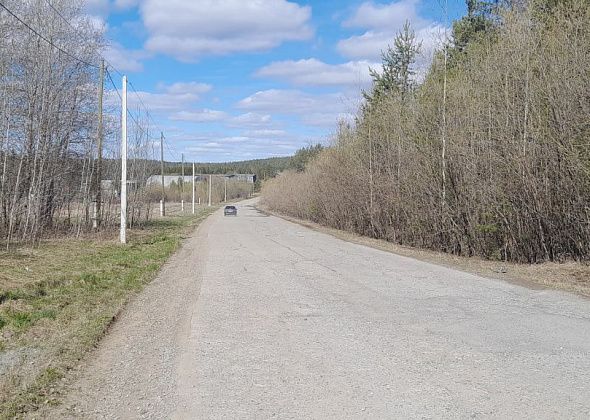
x,y
257,317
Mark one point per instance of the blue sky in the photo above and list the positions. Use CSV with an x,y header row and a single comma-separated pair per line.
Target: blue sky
x,y
241,79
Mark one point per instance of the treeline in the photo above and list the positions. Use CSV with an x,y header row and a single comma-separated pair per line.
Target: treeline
x,y
489,155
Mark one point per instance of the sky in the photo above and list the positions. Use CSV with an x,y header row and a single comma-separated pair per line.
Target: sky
x,y
230,80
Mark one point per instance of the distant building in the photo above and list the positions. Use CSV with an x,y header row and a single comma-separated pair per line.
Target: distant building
x,y
251,178
169,179
177,179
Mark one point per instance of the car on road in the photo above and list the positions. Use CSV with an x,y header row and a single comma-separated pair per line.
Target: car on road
x,y
230,211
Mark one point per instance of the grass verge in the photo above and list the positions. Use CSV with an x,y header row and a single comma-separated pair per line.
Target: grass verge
x,y
573,277
58,300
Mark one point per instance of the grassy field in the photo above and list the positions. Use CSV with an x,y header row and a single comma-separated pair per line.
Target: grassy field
x,y
58,299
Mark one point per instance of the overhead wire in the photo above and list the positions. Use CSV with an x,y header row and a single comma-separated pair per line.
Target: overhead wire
x,y
57,47
87,63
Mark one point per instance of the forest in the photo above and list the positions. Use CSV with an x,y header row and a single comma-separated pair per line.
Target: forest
x,y
487,154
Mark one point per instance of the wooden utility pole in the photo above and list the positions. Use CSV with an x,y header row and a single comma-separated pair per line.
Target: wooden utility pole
x,y
210,185
163,199
98,192
225,189
182,185
123,233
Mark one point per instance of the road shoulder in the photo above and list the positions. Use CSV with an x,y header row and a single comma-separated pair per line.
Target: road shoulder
x,y
133,370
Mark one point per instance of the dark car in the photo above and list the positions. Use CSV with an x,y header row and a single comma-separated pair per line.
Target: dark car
x,y
230,211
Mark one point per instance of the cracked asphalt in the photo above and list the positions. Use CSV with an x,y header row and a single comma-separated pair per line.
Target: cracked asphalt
x,y
258,318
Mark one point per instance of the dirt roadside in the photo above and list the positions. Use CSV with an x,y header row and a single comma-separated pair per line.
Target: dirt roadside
x,y
132,371
571,276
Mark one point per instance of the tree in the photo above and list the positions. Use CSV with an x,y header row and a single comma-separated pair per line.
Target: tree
x,y
397,77
304,155
482,17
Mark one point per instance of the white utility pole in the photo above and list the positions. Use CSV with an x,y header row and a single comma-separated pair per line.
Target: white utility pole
x,y
193,187
163,199
182,187
210,185
123,235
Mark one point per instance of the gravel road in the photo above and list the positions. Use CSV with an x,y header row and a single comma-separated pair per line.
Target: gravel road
x,y
257,317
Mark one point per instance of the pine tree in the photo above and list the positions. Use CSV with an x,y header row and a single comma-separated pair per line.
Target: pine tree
x,y
397,77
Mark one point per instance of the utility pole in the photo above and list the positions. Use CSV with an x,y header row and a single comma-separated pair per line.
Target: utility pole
x,y
163,199
193,187
123,233
225,189
210,184
182,186
98,196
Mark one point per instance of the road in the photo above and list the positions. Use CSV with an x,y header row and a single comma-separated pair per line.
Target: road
x,y
258,318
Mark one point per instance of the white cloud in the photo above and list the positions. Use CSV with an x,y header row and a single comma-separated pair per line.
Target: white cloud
x,y
251,120
177,99
217,147
313,72
204,115
382,22
188,30
162,101
126,4
266,133
288,102
180,88
327,119
123,59
386,16
315,109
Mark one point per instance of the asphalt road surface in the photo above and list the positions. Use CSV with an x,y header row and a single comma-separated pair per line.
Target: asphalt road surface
x,y
259,318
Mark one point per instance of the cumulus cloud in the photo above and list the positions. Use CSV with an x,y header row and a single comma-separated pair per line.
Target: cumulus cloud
x,y
313,72
251,120
180,88
385,16
218,147
284,101
315,109
124,59
176,100
201,116
264,133
188,30
126,4
381,23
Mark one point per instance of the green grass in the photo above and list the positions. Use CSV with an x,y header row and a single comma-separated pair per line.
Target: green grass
x,y
57,301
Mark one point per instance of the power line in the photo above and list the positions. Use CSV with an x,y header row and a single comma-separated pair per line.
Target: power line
x,y
135,91
76,29
47,40
135,120
130,83
120,97
60,14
